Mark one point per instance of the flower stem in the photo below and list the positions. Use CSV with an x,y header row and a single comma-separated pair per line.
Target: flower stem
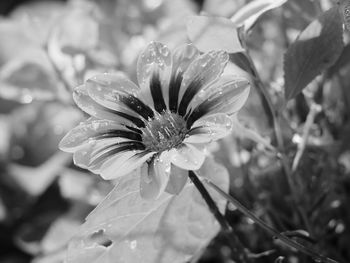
x,y
236,245
317,257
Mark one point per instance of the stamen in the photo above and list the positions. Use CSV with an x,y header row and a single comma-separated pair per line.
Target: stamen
x,y
165,131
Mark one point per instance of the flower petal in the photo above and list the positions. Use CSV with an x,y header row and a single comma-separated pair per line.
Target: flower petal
x,y
182,58
210,128
93,155
124,163
177,180
94,129
88,105
153,74
200,73
187,157
227,96
116,92
155,177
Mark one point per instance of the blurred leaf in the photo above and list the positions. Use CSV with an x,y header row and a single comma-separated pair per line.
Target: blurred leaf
x,y
59,234
36,180
36,123
26,78
249,13
37,218
38,18
316,49
127,228
248,133
213,33
15,40
221,7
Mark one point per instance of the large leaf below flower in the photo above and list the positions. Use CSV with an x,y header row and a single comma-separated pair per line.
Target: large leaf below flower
x,y
126,228
316,49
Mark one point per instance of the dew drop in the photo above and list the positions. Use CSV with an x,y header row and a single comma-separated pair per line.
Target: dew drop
x,y
95,126
133,244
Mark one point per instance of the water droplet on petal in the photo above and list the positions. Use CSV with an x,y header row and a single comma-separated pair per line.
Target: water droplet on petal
x,y
133,244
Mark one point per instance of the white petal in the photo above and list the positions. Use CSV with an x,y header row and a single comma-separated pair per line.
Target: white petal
x,y
123,163
108,89
228,95
177,180
209,128
84,156
187,157
155,177
200,73
88,105
183,56
86,131
155,59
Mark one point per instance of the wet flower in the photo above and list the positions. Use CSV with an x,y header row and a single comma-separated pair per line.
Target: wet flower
x,y
159,128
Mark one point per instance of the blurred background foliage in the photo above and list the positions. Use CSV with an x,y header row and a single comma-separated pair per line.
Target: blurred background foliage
x,y
49,47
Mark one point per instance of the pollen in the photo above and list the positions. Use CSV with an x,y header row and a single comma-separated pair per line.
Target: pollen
x,y
164,132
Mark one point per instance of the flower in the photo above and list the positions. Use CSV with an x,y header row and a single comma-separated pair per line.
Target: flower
x,y
183,102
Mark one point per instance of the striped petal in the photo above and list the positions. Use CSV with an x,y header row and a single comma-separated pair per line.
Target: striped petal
x,y
88,105
93,129
93,155
155,177
187,157
116,92
124,163
210,128
201,72
177,180
182,58
153,74
227,96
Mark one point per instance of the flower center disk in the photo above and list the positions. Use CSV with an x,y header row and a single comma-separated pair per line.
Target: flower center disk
x,y
164,132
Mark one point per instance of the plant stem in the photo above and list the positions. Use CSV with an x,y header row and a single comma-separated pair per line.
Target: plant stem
x,y
280,144
66,91
236,245
317,257
314,109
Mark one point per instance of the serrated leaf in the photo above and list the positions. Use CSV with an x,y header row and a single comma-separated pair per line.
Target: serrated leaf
x,y
316,49
249,13
126,228
213,33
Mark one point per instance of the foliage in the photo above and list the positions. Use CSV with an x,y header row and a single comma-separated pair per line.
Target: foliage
x,y
287,159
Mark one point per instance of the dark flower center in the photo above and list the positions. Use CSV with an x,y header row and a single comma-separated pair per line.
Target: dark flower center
x,y
164,132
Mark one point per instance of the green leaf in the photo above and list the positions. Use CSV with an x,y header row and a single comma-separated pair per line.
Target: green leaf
x,y
126,228
316,49
213,33
249,13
